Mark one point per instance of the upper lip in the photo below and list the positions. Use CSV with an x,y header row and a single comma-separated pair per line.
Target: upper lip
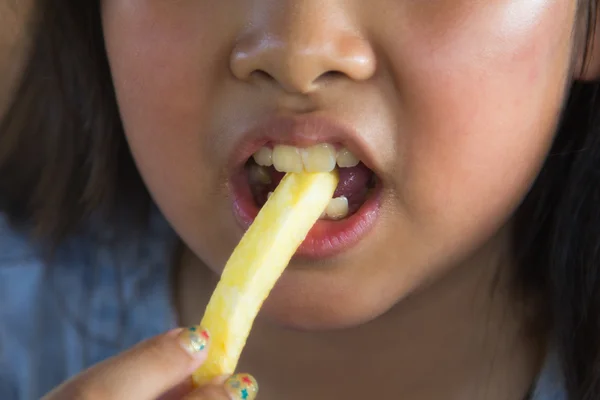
x,y
301,131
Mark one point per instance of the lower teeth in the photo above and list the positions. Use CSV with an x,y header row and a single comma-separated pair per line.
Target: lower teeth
x,y
337,208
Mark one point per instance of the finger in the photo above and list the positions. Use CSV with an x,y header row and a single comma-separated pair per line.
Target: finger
x,y
209,392
238,387
179,391
144,372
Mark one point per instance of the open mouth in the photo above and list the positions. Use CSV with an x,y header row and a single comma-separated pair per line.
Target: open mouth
x,y
267,166
351,212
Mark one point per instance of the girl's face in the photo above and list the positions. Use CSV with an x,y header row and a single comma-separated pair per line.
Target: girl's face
x,y
452,105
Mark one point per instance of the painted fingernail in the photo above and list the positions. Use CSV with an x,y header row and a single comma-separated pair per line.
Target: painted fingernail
x,y
194,340
242,387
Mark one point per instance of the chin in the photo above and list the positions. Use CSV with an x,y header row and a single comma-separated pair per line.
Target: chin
x,y
298,305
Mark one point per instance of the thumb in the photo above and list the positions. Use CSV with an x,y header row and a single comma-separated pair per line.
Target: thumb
x,y
237,387
146,371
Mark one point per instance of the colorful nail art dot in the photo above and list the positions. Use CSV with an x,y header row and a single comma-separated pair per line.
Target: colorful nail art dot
x,y
242,387
194,341
198,343
247,380
205,334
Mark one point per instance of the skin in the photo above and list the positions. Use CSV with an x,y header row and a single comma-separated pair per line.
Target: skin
x,y
161,360
459,102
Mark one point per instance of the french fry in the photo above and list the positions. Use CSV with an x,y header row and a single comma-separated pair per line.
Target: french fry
x,y
257,263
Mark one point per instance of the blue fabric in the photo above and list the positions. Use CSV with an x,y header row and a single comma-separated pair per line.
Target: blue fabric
x,y
95,300
550,383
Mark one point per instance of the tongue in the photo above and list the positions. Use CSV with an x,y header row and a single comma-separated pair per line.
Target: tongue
x,y
353,181
353,184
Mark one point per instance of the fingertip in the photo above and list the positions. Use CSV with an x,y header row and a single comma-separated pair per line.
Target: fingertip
x,y
194,341
241,387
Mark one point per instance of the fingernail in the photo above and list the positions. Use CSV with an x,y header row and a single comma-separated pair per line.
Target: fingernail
x,y
242,387
194,340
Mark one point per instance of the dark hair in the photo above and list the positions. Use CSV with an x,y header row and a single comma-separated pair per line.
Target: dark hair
x,y
63,157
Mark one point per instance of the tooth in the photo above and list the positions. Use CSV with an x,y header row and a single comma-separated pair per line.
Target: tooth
x,y
259,174
319,158
337,208
287,159
345,159
269,195
264,157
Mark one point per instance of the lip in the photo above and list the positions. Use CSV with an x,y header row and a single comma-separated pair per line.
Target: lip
x,y
326,238
302,131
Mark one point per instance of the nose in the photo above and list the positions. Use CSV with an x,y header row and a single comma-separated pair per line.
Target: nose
x,y
301,47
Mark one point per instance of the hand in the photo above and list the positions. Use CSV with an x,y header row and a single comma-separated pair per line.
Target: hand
x,y
158,368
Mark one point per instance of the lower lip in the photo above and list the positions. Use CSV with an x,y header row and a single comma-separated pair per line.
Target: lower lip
x,y
326,238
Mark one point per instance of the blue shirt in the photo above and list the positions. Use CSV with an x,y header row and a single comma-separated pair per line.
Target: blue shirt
x,y
94,300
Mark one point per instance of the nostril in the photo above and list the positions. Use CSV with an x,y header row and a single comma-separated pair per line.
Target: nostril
x,y
330,76
298,62
261,75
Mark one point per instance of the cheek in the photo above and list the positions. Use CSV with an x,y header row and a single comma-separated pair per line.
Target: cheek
x,y
483,93
161,54
158,78
160,58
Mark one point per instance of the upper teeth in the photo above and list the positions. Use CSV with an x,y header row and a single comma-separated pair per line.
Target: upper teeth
x,y
318,158
346,159
264,157
287,159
